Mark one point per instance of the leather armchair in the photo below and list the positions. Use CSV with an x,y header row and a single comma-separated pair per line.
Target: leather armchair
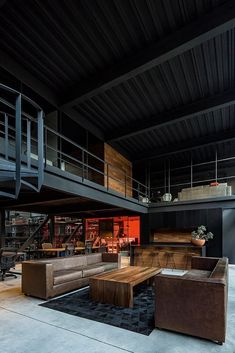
x,y
196,303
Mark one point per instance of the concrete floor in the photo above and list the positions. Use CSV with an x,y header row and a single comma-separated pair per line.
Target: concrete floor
x,y
26,327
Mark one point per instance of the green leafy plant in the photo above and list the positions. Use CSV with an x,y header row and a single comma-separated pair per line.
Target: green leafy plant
x,y
201,233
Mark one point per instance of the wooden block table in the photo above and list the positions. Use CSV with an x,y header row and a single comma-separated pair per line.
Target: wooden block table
x,y
116,287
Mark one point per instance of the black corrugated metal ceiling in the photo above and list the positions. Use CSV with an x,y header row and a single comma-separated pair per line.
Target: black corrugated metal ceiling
x,y
66,43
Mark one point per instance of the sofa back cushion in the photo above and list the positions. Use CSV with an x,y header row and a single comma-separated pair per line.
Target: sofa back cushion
x,y
197,274
204,263
94,258
69,262
64,276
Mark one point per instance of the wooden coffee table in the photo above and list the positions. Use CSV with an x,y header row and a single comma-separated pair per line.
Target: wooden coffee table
x,y
116,287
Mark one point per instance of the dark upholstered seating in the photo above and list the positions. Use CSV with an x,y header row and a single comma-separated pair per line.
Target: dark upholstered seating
x,y
48,278
196,303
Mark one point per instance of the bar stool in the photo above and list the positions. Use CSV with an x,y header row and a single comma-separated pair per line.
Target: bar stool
x,y
156,259
145,259
151,259
170,259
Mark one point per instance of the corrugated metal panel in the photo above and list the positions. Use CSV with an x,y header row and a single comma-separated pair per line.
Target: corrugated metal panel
x,y
201,72
202,125
62,42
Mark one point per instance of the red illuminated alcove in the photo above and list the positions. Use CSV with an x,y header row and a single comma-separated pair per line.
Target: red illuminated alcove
x,y
117,233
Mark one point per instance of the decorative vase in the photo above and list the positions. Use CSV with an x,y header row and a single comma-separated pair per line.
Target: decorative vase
x,y
198,242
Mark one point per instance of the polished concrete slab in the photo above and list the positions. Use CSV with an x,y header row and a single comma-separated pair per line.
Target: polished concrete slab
x,y
27,327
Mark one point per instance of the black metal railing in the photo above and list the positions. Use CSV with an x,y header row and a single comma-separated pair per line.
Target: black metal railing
x,y
87,165
29,148
16,130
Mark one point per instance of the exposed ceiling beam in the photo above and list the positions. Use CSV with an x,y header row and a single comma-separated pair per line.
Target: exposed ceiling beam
x,y
92,210
101,213
37,86
179,114
188,145
24,199
24,202
89,207
29,80
207,26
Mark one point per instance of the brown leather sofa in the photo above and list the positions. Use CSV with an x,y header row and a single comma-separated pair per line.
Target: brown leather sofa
x,y
195,303
48,278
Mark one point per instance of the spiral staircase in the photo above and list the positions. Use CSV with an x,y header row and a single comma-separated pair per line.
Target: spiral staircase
x,y
21,144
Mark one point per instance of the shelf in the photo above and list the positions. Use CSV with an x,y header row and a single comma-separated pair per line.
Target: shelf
x,y
23,225
12,238
17,225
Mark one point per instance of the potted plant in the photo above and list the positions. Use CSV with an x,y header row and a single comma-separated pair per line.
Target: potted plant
x,y
200,236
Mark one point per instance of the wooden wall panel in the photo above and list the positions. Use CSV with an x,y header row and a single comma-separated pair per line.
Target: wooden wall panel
x,y
165,257
189,219
172,236
118,168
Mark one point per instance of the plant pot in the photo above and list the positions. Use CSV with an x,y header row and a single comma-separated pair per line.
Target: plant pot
x,y
198,242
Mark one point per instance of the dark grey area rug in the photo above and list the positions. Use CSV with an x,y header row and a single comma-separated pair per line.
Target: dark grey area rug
x,y
139,319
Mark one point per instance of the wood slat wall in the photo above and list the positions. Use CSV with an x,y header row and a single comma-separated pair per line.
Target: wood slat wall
x,y
172,236
122,167
165,257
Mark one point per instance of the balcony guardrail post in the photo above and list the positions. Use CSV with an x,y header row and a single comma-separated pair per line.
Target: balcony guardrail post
x,y
40,147
45,147
83,165
28,144
138,191
18,126
169,177
107,173
6,135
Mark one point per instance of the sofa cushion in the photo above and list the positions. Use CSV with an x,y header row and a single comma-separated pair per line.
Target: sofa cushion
x,y
64,276
93,258
197,273
69,262
75,261
92,270
109,266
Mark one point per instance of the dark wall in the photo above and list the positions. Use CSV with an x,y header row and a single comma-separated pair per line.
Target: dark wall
x,y
144,229
89,142
11,81
229,234
191,219
73,131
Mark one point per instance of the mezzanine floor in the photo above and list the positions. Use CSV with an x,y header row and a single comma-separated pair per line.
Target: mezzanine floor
x,y
26,327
